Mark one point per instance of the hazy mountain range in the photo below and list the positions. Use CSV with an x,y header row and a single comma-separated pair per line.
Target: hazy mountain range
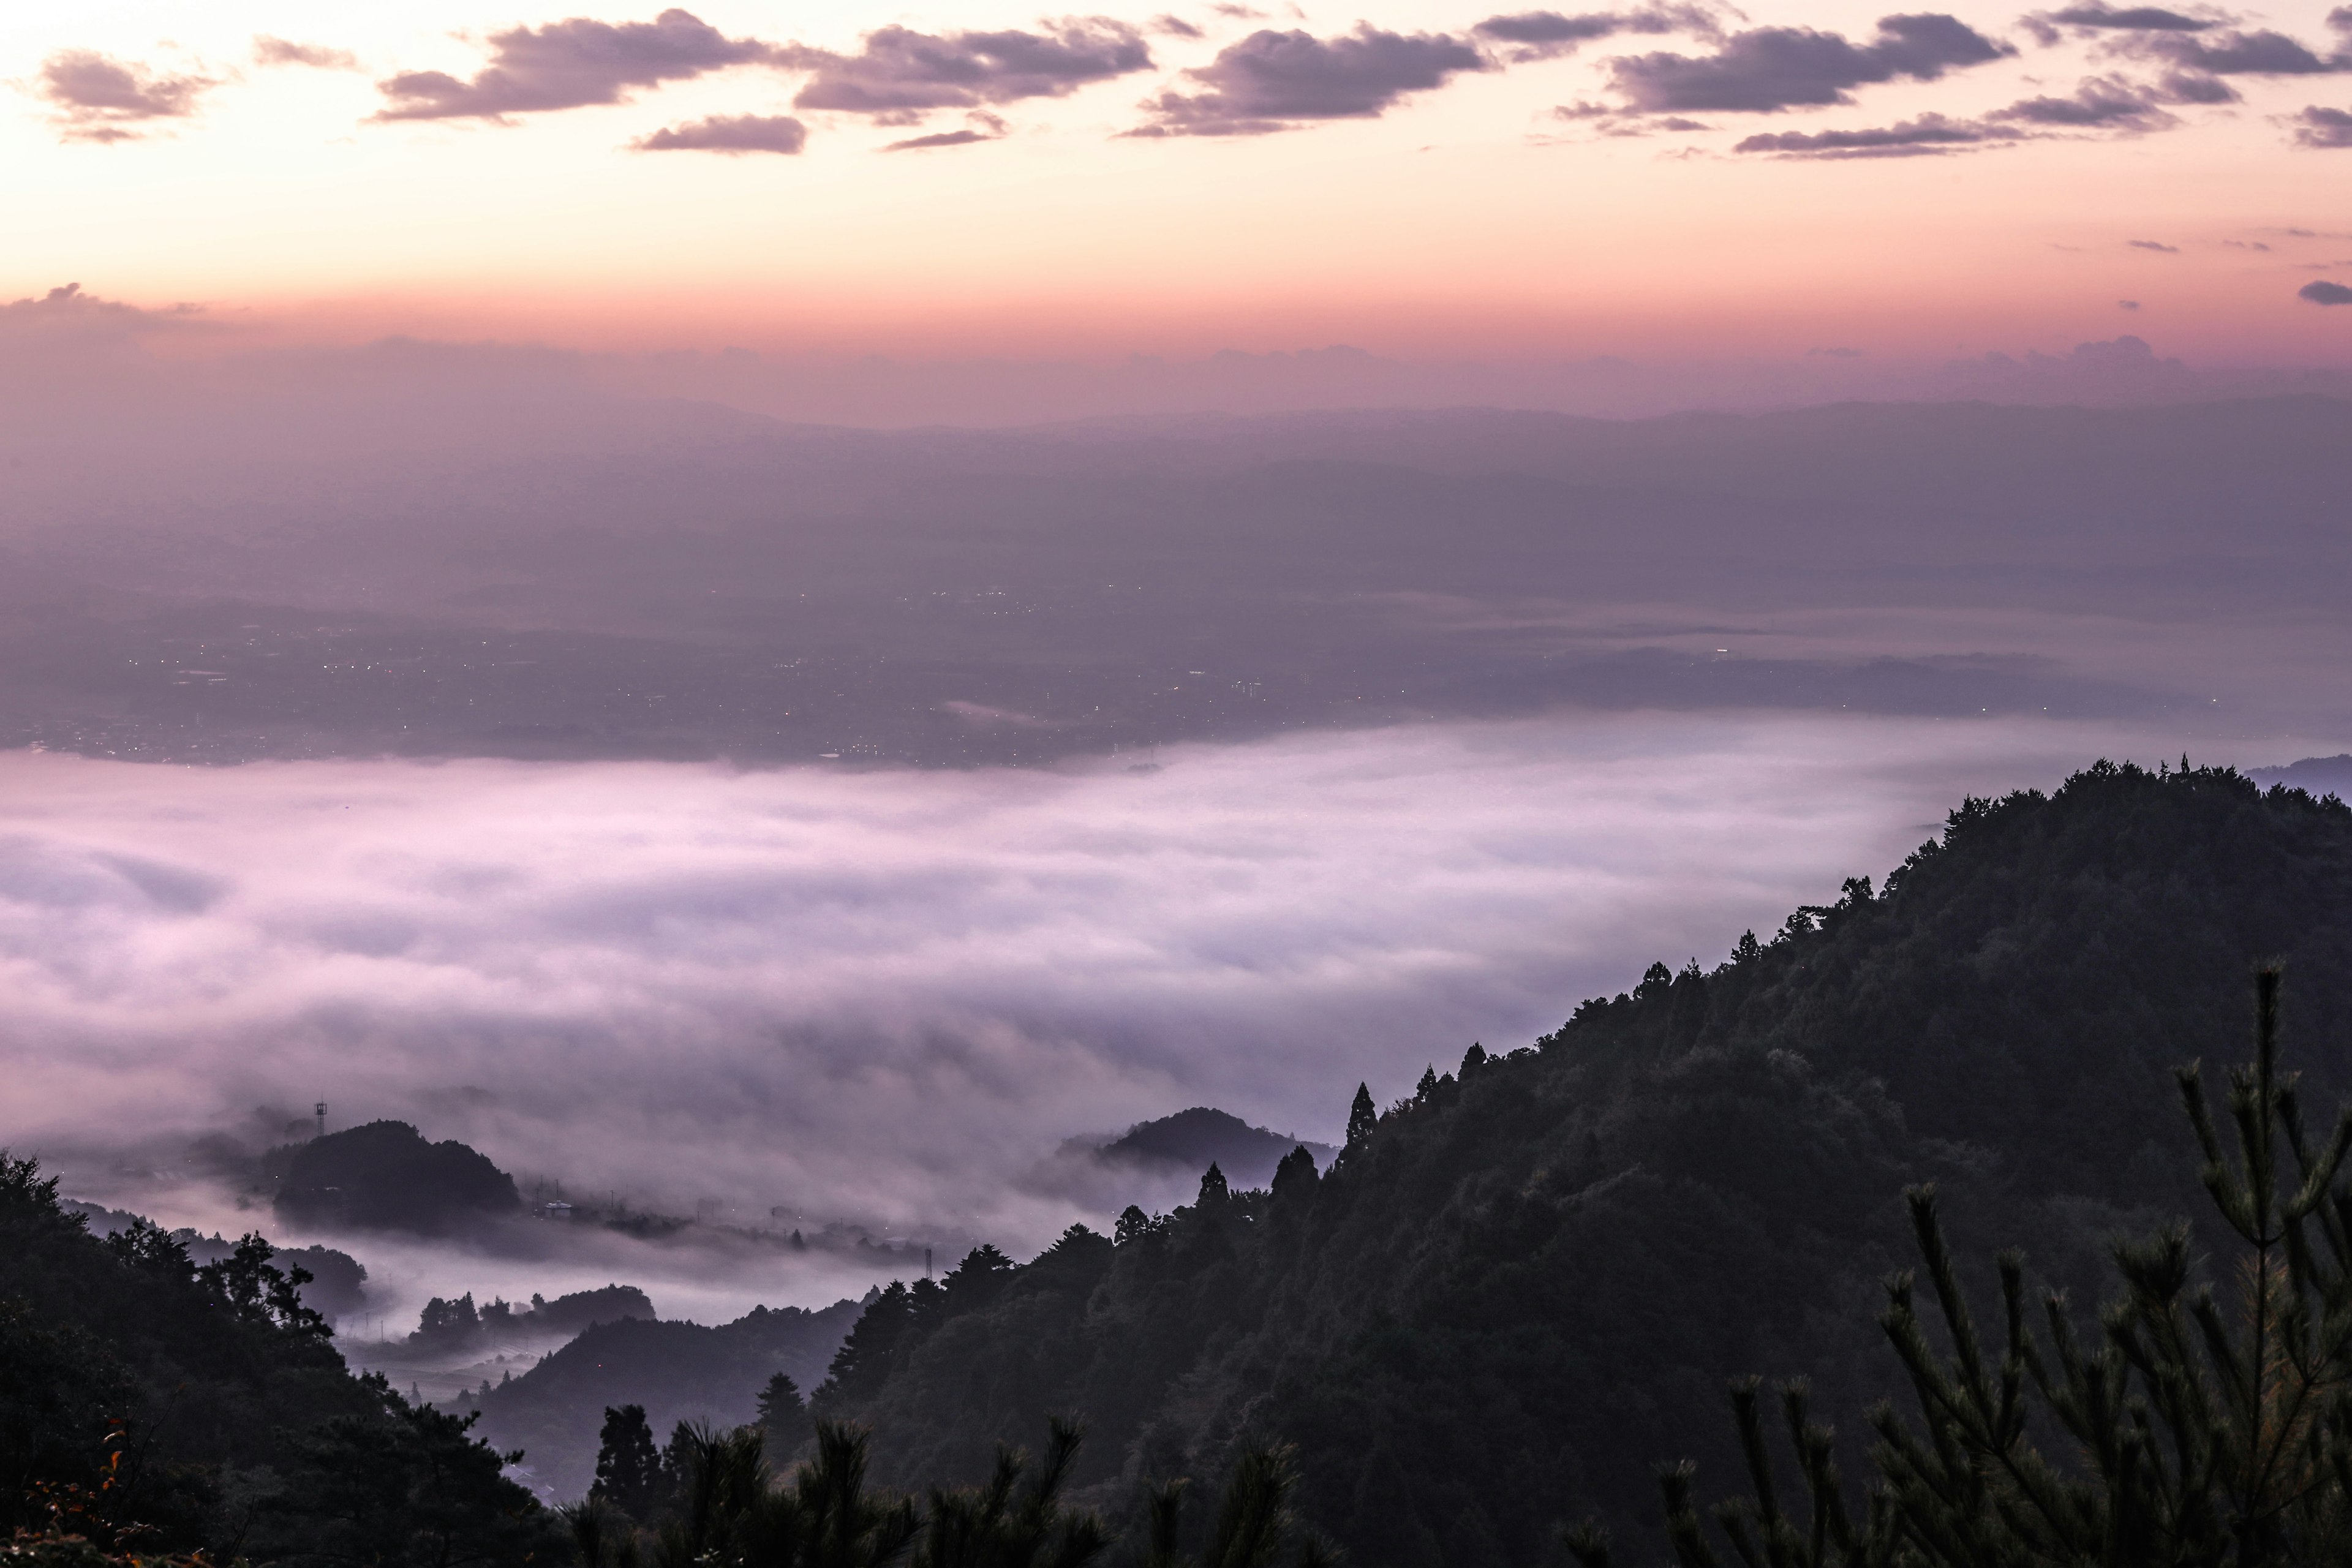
x,y
624,579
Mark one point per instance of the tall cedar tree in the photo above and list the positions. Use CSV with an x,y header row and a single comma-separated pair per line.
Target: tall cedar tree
x,y
629,1464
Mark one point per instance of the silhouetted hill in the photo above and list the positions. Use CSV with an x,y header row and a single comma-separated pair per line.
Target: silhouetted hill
x,y
213,1408
1201,1137
2313,776
677,1370
338,1282
1529,1281
385,1177
450,1327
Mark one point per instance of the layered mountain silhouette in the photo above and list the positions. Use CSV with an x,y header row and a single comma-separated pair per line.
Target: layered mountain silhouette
x,y
677,1370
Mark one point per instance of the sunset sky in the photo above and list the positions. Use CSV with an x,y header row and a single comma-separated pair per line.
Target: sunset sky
x,y
1427,182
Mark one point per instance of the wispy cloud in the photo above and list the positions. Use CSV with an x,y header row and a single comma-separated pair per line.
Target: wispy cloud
x,y
98,98
980,126
274,51
1928,135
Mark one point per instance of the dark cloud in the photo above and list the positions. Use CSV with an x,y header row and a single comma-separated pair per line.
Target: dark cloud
x,y
2155,245
2126,304
1175,26
569,65
1767,69
1927,136
2321,292
2103,103
1546,35
899,74
100,98
732,134
1272,81
270,51
2139,18
2089,20
2196,87
2258,53
2322,127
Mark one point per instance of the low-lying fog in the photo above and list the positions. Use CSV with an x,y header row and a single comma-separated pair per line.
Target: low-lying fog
x,y
882,999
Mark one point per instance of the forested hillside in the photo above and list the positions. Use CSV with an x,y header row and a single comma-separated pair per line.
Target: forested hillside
x,y
1526,1284
675,1371
152,1404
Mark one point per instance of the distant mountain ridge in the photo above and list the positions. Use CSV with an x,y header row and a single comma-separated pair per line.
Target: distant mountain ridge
x,y
1202,1136
2315,775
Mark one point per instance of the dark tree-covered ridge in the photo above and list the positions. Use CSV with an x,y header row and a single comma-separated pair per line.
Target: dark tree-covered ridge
x,y
1527,1284
206,1408
386,1177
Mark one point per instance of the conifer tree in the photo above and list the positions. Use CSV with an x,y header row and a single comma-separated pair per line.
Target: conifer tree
x,y
1295,1176
1016,1519
1362,1116
628,1466
2203,1426
1255,1525
783,1417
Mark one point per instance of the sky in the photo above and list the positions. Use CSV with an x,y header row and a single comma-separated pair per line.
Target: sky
x,y
1672,183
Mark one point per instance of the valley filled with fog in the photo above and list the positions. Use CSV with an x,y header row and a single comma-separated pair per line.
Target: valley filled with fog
x,y
875,1006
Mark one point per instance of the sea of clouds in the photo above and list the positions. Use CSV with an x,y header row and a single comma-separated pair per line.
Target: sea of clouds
x,y
887,997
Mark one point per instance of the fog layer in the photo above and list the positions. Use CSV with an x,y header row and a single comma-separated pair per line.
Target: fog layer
x,y
885,997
